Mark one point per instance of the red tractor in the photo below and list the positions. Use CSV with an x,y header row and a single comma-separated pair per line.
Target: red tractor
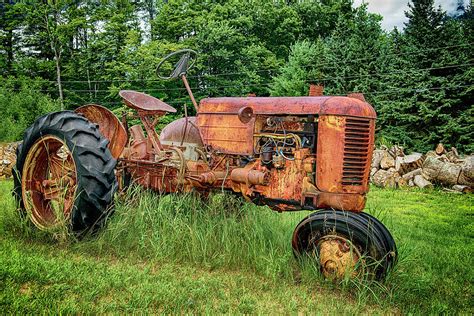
x,y
289,153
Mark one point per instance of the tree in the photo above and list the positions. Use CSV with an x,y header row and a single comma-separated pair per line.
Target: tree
x,y
8,23
302,68
319,18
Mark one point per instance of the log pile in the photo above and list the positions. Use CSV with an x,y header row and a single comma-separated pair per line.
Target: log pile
x,y
392,168
7,159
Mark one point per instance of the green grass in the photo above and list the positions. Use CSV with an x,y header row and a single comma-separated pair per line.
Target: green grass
x,y
180,254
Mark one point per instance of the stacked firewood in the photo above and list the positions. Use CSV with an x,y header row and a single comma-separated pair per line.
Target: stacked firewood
x,y
392,168
7,159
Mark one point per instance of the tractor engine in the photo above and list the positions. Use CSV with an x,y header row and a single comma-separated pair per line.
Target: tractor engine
x,y
293,152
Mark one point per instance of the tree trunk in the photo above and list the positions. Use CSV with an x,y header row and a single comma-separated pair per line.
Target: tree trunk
x,y
54,43
57,57
89,84
150,5
9,49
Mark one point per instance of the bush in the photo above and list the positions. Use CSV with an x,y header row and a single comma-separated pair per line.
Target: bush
x,y
21,102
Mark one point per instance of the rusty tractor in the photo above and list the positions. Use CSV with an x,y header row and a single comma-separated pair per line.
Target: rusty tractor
x,y
289,153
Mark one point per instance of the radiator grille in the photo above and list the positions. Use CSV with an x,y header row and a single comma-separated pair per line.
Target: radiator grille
x,y
356,151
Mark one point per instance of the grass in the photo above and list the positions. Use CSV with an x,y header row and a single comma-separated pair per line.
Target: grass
x,y
180,254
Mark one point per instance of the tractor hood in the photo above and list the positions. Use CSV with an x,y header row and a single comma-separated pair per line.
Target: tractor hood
x,y
324,105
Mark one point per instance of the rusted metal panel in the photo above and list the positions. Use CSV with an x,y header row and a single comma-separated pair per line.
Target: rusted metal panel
x,y
343,154
227,133
109,126
285,183
289,105
341,201
330,153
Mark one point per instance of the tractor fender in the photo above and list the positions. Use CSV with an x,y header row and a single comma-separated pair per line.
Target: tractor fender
x,y
109,126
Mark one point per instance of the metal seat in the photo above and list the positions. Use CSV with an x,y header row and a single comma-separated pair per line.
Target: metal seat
x,y
145,103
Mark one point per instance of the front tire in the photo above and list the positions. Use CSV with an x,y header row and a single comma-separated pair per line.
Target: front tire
x,y
346,244
64,175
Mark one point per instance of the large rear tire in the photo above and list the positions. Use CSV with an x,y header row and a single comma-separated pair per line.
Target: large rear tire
x,y
346,244
64,175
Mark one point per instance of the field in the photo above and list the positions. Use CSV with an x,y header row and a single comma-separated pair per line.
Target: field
x,y
179,254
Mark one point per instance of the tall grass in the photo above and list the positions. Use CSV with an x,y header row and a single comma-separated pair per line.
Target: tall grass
x,y
215,232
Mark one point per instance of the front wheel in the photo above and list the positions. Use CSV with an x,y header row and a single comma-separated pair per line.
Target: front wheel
x,y
64,175
346,244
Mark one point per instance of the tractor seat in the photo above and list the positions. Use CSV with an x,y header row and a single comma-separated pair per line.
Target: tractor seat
x,y
145,103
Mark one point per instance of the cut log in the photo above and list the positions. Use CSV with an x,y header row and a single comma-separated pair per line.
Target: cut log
x,y
409,163
396,151
449,173
431,153
422,182
462,188
373,171
440,149
411,183
439,171
410,175
7,159
377,157
384,179
452,155
467,171
451,191
402,182
387,161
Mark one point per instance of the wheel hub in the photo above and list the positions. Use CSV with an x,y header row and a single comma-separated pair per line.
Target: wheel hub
x,y
49,182
337,257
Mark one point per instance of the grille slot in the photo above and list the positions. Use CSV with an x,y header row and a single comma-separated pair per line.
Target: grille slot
x,y
356,151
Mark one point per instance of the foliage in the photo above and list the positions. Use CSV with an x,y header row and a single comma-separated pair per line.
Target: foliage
x,y
20,105
419,79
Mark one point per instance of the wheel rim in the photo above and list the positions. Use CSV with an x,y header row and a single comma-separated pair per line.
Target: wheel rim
x,y
338,257
49,182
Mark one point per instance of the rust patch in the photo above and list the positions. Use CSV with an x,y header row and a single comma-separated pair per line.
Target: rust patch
x,y
109,126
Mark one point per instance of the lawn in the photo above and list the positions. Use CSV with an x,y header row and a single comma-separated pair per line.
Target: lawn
x,y
179,254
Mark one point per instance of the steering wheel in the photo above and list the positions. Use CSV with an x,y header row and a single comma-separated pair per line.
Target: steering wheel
x,y
185,62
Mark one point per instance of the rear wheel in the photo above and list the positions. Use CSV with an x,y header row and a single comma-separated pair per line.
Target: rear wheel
x,y
346,244
65,173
